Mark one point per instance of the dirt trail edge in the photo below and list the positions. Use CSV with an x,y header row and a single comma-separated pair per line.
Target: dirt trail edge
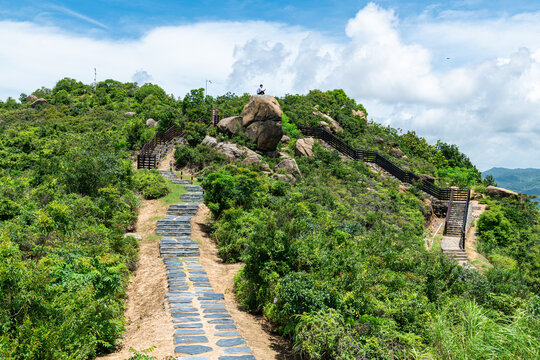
x,y
254,329
149,323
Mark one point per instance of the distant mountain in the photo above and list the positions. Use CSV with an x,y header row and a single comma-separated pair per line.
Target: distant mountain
x,y
520,180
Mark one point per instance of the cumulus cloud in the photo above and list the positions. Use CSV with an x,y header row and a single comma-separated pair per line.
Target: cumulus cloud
x,y
141,77
485,98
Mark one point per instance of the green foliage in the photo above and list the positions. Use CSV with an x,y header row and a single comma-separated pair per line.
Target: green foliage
x,y
142,355
457,176
510,237
197,157
66,198
151,184
464,330
194,133
289,128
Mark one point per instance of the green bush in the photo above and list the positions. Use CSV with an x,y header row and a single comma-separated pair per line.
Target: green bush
x,y
151,184
198,157
194,133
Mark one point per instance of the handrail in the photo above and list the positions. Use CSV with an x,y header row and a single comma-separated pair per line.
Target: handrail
x,y
159,138
464,226
450,202
374,157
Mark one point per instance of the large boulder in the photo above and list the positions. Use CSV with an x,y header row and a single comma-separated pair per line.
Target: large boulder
x,y
40,101
261,120
151,122
304,147
231,125
427,178
209,141
31,98
500,192
396,152
233,151
359,113
333,124
289,165
129,114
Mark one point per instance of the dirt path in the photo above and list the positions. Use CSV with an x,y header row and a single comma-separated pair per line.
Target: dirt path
x,y
149,322
254,329
477,259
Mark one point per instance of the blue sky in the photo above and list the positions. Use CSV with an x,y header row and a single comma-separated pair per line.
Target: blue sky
x,y
131,18
466,72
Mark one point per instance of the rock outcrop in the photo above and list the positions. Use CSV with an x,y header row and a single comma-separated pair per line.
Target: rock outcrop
x,y
210,141
331,123
151,122
31,98
261,120
427,178
232,151
40,101
231,125
129,114
304,147
289,165
500,192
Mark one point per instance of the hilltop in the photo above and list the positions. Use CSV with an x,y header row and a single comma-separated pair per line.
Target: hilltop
x,y
332,249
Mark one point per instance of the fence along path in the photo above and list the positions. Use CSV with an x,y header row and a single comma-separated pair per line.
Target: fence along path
x,y
456,197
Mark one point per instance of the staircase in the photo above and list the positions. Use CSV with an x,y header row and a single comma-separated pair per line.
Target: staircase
x,y
183,209
178,246
192,197
174,226
455,218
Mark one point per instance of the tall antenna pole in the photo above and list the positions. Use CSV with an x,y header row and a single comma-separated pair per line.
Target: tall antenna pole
x,y
95,76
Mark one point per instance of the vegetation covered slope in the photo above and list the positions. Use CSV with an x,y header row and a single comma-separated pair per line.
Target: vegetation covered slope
x,y
67,195
337,260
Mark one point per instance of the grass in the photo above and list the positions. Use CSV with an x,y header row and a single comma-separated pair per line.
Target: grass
x,y
153,237
436,245
174,196
158,217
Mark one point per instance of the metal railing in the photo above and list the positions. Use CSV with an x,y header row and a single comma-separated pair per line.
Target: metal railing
x,y
147,158
463,233
385,164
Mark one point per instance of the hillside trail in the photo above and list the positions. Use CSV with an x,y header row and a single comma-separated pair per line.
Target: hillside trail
x,y
149,322
471,242
254,329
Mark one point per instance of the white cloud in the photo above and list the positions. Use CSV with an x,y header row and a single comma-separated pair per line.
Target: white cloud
x,y
485,98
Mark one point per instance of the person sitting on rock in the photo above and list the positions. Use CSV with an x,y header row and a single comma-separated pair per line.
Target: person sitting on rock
x,y
260,90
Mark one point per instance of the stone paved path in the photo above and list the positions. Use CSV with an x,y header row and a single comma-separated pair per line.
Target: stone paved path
x,y
204,328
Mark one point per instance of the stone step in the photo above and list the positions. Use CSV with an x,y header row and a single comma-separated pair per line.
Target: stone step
x,y
191,188
183,206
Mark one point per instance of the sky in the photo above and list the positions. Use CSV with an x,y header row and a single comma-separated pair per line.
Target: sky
x,y
466,72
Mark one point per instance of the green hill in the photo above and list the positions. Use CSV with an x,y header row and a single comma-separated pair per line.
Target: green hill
x,y
521,180
335,259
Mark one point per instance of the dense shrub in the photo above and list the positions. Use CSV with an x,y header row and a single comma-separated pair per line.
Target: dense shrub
x,y
151,184
198,157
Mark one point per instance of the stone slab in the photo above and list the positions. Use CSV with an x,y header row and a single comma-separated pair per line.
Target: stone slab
x,y
190,339
230,342
189,332
192,349
237,350
228,333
